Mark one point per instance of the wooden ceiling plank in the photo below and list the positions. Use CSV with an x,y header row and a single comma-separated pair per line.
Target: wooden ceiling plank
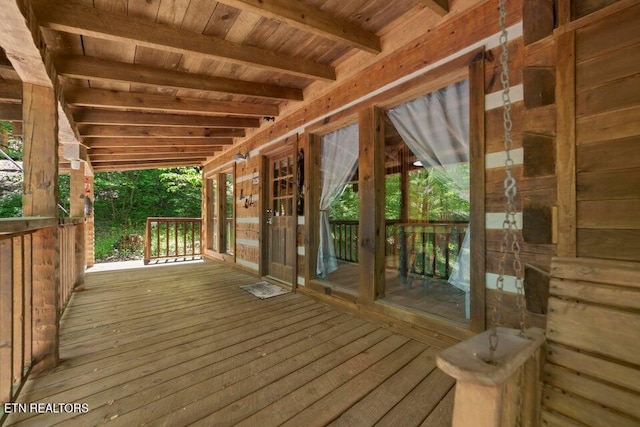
x,y
440,7
78,18
84,67
100,142
308,18
110,117
162,103
157,131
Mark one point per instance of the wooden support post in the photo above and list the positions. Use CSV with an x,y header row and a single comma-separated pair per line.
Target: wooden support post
x,y
372,226
311,204
495,394
566,145
77,193
40,120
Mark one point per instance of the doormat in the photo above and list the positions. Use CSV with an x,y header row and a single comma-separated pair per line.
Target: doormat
x,y
264,290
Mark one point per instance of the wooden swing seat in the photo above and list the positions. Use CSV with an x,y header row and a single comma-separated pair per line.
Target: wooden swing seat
x,y
592,370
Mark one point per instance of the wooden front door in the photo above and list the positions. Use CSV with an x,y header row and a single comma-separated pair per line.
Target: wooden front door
x,y
281,219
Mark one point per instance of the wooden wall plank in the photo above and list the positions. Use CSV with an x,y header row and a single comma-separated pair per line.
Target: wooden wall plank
x,y
608,66
609,185
621,273
574,411
617,124
593,328
611,214
18,309
619,30
595,367
613,95
608,155
611,295
594,391
6,319
610,244
565,144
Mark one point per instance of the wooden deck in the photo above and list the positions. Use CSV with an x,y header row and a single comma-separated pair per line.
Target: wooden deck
x,y
182,344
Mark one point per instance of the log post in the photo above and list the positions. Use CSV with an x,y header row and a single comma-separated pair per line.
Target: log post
x,y
40,133
495,394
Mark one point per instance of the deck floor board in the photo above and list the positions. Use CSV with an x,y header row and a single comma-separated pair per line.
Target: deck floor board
x,y
182,344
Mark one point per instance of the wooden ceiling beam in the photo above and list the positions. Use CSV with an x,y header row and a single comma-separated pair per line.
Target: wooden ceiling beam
x,y
84,67
147,156
11,112
440,7
121,165
305,17
162,103
10,91
157,131
109,117
124,151
94,143
77,18
25,49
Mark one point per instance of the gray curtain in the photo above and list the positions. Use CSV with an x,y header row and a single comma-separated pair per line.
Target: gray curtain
x,y
435,127
339,162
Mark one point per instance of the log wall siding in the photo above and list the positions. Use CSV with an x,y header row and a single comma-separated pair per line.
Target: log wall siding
x,y
533,79
248,212
607,95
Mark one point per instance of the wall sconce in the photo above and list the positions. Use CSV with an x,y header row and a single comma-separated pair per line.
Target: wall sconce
x,y
240,157
75,164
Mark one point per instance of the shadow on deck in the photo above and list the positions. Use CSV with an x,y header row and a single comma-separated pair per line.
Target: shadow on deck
x,y
182,344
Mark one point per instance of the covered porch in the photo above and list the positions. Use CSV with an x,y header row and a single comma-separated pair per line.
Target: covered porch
x,y
183,344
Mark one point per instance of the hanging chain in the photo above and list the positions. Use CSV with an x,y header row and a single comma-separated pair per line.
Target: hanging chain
x,y
509,226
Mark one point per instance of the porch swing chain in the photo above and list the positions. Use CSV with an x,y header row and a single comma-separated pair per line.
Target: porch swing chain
x,y
509,225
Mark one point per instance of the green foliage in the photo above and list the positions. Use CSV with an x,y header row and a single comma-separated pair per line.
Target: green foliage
x,y
434,195
129,198
12,146
11,205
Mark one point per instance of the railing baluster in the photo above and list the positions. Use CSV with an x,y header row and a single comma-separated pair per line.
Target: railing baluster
x,y
6,320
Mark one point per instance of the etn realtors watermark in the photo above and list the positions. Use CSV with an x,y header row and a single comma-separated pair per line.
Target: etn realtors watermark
x,y
46,408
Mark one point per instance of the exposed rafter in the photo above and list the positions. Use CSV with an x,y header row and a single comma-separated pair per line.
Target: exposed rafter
x,y
77,18
109,117
84,67
101,142
157,131
194,151
307,18
163,103
441,7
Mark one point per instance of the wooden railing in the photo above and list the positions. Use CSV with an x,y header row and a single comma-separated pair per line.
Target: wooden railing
x,y
22,250
421,248
71,249
173,238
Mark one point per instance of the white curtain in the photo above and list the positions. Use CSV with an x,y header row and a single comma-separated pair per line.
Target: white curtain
x,y
339,162
435,127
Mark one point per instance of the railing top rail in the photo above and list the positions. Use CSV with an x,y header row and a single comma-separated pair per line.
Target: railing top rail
x,y
71,220
26,224
398,222
172,219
